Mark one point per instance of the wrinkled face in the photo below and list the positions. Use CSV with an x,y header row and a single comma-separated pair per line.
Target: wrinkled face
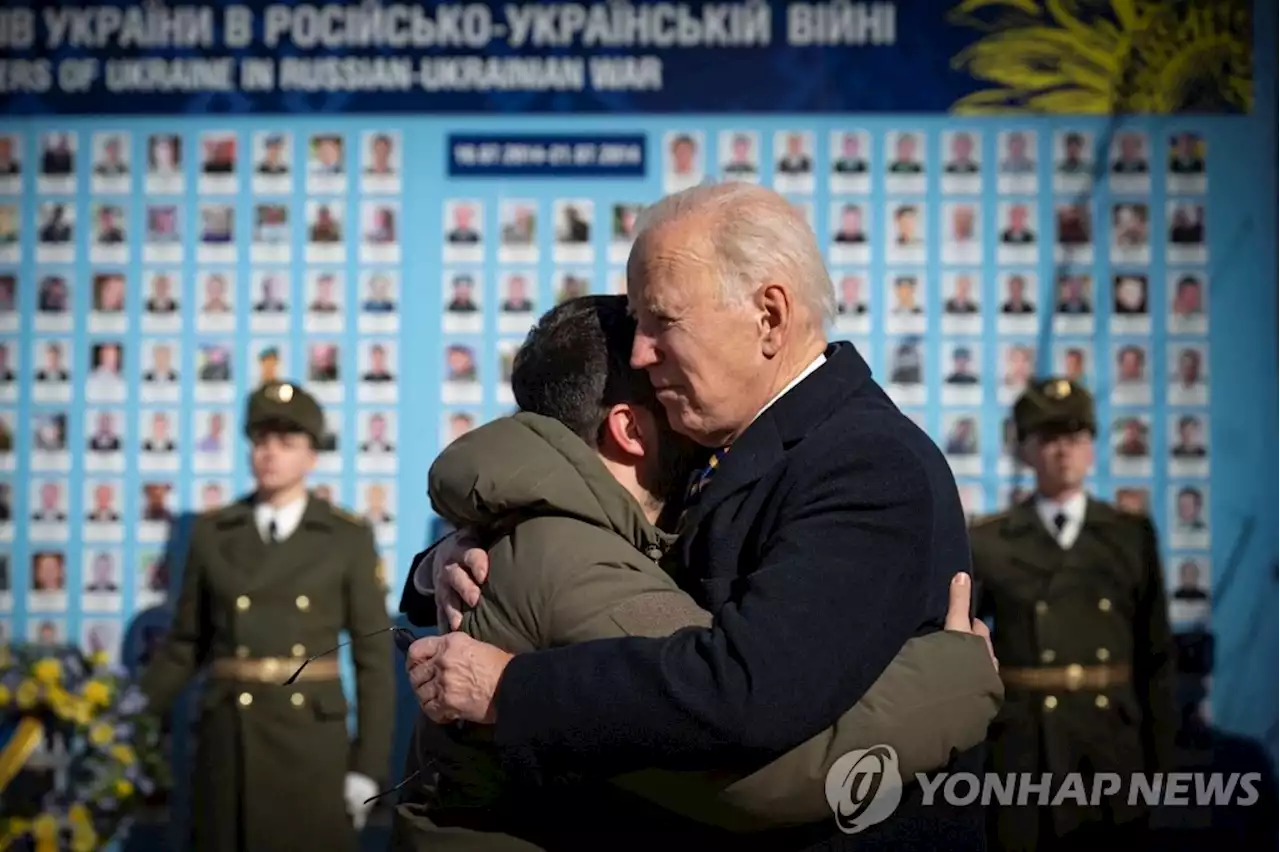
x,y
702,356
1060,461
281,460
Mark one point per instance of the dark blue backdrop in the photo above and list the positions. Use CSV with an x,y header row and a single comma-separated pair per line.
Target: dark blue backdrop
x,y
910,56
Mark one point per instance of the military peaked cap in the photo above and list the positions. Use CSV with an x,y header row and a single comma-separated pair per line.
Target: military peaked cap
x,y
284,406
1053,406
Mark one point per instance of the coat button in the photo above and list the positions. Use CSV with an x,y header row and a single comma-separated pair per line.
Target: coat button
x,y
1041,607
303,603
242,652
1102,702
242,603
299,650
1047,656
245,699
1104,654
1105,604
296,699
1050,702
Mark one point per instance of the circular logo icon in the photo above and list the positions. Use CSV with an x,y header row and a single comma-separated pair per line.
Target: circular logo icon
x,y
864,787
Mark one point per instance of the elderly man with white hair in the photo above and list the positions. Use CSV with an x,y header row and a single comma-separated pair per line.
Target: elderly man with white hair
x,y
822,534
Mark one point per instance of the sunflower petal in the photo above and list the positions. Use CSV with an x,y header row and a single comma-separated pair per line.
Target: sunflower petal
x,y
1032,62
1071,101
1065,15
1127,13
989,102
969,7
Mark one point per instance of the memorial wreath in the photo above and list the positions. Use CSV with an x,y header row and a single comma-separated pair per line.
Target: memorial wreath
x,y
78,752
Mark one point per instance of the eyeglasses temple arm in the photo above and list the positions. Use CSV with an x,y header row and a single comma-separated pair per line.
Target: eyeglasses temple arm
x,y
412,776
336,648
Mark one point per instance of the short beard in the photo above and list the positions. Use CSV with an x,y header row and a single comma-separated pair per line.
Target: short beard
x,y
666,479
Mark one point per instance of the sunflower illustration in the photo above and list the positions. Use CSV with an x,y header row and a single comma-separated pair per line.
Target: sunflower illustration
x,y
1107,56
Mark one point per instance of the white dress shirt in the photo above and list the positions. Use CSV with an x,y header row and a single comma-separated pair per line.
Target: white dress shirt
x,y
422,579
1072,509
286,518
804,374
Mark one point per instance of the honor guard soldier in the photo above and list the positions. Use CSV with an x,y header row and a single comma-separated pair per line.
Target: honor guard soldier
x,y
1076,596
270,580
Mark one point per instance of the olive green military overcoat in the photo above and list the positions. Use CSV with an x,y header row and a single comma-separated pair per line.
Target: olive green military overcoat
x,y
1098,604
271,760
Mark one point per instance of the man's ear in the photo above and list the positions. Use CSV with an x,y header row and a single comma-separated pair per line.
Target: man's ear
x,y
776,309
623,432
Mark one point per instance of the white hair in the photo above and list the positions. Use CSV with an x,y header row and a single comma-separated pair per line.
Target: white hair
x,y
754,233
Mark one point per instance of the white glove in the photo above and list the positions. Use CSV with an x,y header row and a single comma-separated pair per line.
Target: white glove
x,y
355,790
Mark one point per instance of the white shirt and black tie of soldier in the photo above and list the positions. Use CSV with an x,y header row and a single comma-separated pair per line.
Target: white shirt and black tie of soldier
x,y
277,523
1063,519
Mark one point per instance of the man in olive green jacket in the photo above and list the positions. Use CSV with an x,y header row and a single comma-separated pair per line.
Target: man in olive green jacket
x,y
575,557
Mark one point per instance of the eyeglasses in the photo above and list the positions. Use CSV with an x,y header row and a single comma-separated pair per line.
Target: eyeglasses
x,y
404,638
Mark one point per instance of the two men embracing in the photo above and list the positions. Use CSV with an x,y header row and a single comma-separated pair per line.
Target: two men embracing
x,y
707,558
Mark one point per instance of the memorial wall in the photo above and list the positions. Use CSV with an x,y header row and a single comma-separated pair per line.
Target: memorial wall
x,y
378,200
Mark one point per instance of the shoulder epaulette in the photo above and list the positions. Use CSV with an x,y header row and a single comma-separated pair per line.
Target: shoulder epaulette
x,y
347,515
225,510
988,520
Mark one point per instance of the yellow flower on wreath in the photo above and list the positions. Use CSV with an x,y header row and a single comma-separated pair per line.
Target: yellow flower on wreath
x,y
84,839
47,671
44,828
101,734
96,692
1103,57
123,754
27,695
5,696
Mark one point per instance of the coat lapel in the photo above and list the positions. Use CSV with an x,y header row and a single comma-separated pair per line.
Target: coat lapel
x,y
1022,522
310,542
240,545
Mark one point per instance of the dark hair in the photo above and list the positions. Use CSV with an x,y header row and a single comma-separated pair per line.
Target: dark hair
x,y
575,365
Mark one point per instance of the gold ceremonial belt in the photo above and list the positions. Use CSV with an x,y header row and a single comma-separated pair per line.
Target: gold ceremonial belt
x,y
1066,678
273,669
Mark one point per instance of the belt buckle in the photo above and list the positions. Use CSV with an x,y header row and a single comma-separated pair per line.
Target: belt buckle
x,y
1075,677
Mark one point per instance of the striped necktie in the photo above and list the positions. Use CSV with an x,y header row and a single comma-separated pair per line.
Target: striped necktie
x,y
702,479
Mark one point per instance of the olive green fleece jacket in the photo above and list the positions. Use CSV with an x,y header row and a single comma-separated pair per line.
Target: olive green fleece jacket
x,y
576,559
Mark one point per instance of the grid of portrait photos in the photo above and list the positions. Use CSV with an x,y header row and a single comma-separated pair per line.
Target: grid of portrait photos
x,y
956,253
149,280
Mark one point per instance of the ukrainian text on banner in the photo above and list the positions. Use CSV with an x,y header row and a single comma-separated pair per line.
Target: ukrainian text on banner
x,y
1081,57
